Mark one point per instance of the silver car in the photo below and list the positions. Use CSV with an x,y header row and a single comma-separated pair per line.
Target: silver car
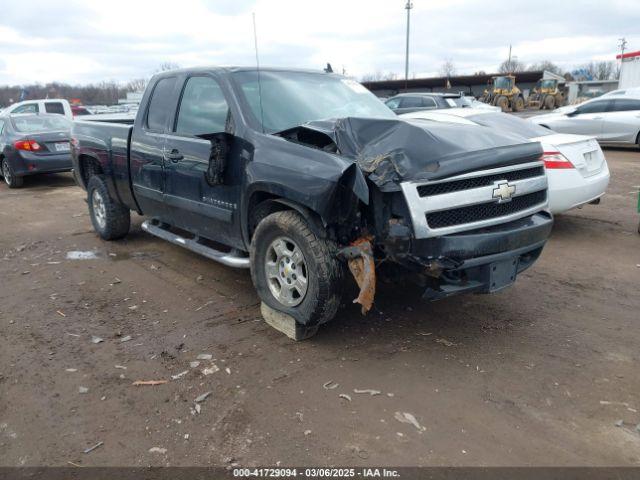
x,y
613,120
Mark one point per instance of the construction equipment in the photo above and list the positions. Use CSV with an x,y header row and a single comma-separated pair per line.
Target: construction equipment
x,y
546,94
502,92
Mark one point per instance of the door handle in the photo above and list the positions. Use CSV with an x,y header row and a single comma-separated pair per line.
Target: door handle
x,y
174,155
597,118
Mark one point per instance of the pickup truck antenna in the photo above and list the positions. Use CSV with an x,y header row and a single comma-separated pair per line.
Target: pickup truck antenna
x,y
255,41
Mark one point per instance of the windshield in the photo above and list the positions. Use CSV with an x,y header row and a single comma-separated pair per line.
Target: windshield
x,y
290,99
502,83
548,84
37,124
510,124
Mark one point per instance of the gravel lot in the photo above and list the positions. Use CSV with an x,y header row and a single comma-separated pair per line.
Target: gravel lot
x,y
544,373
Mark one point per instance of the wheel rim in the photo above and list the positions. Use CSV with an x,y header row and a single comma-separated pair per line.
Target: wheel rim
x,y
286,272
6,173
99,209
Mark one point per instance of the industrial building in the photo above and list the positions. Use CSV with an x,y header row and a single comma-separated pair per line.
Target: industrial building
x,y
472,85
629,69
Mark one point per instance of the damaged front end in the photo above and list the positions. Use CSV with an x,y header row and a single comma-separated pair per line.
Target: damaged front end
x,y
462,208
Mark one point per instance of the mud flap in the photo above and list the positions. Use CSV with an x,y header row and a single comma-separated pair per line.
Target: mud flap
x,y
359,256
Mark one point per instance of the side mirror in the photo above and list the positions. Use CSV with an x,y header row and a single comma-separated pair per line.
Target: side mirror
x,y
220,147
572,113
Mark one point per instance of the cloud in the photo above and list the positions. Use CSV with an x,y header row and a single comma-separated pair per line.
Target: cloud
x,y
83,41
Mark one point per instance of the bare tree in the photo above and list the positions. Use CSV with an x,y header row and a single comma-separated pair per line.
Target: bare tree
x,y
605,70
599,70
136,85
547,65
511,66
448,68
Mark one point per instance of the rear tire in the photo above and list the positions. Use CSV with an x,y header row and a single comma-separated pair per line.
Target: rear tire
x,y
110,219
9,177
518,104
322,271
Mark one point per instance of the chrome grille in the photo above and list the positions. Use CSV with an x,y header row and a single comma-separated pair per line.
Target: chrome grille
x,y
477,199
475,182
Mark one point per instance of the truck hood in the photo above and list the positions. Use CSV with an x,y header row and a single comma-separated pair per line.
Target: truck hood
x,y
391,151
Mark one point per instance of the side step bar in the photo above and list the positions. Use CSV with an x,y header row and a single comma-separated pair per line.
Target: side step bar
x,y
231,259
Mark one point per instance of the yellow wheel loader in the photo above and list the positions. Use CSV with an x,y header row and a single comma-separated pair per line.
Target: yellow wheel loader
x,y
546,94
503,92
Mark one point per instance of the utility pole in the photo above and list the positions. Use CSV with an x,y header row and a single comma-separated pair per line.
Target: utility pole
x,y
408,8
509,66
622,46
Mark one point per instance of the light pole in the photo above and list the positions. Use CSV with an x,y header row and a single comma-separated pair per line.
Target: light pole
x,y
408,8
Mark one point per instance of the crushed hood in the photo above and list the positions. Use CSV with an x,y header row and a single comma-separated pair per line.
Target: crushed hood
x,y
390,151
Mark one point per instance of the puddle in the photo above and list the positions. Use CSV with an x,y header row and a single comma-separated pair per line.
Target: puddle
x,y
79,255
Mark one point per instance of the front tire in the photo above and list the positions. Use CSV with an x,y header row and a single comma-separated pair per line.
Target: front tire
x,y
110,219
9,176
294,271
503,103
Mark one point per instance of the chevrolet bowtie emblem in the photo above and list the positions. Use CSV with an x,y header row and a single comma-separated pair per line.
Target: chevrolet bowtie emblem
x,y
503,191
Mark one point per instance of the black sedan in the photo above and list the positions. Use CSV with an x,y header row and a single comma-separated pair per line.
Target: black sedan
x,y
32,144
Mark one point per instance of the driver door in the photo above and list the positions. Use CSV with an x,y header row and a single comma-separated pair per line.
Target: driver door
x,y
202,194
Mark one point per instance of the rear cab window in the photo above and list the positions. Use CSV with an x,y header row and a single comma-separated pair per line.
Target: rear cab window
x,y
203,108
160,104
54,107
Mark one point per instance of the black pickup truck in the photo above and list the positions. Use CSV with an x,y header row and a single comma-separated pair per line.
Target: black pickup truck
x,y
302,176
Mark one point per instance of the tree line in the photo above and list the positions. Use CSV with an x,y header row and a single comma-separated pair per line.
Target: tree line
x,y
102,93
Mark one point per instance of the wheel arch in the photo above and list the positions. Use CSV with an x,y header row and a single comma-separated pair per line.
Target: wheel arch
x,y
262,203
88,165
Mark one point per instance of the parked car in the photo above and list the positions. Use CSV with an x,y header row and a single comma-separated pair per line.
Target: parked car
x,y
612,120
632,91
576,166
58,106
79,111
418,101
295,174
32,144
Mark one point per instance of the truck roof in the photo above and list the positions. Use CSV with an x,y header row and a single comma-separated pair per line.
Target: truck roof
x,y
237,68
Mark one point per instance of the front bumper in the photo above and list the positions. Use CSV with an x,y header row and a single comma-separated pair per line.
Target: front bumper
x,y
31,164
480,261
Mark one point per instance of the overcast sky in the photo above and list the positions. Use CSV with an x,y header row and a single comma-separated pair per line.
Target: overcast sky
x,y
93,40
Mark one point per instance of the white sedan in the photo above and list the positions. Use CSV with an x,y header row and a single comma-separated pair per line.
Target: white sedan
x,y
610,119
576,168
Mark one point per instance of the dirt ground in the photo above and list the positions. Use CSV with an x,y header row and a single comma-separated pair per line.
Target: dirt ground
x,y
540,374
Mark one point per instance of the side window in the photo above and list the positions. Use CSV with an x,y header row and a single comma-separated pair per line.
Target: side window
x,y
429,102
54,107
393,103
160,104
625,105
203,108
410,102
594,107
27,108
